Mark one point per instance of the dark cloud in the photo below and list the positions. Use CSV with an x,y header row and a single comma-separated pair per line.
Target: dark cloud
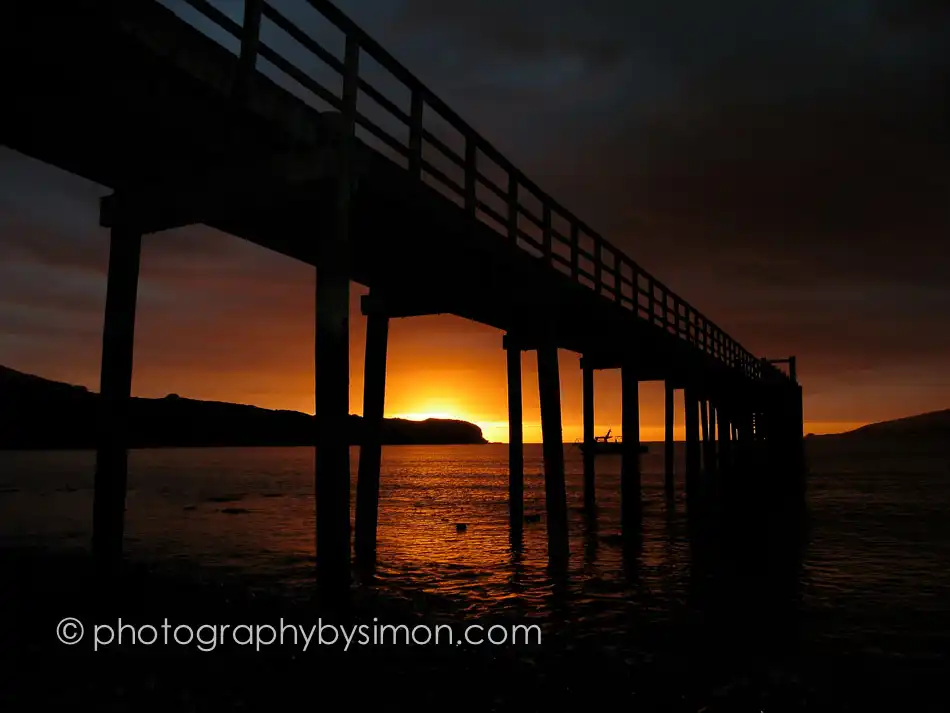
x,y
734,114
782,165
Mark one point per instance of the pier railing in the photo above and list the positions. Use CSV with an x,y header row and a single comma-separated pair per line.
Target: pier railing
x,y
488,186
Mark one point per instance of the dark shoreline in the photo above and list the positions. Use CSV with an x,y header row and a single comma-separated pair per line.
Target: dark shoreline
x,y
60,449
40,414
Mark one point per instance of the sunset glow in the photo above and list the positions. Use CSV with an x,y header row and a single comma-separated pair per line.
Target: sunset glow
x,y
437,367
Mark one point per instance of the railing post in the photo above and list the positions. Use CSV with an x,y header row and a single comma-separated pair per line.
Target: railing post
x,y
546,237
351,81
575,251
616,270
598,266
250,39
415,134
651,299
471,176
512,207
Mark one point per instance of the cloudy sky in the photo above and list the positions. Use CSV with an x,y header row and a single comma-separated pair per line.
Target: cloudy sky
x,y
783,165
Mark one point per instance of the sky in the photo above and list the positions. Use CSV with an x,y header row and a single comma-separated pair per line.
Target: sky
x,y
784,166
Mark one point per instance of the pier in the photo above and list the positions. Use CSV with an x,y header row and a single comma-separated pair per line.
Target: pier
x,y
183,130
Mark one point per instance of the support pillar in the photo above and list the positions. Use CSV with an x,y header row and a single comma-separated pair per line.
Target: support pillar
x,y
798,433
590,498
630,490
668,443
332,365
704,423
555,492
118,338
742,443
371,449
693,465
723,440
332,459
515,438
713,450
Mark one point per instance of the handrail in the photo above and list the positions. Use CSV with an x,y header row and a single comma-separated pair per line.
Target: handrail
x,y
619,278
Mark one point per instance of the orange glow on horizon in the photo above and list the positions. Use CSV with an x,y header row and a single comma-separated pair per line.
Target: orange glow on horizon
x,y
437,367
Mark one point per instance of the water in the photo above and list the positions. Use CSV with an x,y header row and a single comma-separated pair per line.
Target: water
x,y
873,575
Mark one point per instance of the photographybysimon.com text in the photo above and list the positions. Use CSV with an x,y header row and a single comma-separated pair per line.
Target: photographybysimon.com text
x,y
209,637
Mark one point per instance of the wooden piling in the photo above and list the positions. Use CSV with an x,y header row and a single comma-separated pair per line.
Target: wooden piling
x,y
515,437
668,458
555,493
590,497
630,485
118,338
704,424
798,424
722,440
693,465
374,398
332,461
332,365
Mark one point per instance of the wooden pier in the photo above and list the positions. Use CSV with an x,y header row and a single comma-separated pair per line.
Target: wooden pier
x,y
184,131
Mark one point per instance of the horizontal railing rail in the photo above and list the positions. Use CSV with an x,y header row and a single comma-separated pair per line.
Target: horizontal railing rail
x,y
574,249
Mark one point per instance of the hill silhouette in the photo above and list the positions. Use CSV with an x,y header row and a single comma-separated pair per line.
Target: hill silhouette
x,y
931,426
37,413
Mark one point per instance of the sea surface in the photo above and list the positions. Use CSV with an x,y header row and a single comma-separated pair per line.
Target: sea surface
x,y
871,575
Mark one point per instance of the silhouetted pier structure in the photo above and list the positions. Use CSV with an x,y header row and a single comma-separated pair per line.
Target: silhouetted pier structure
x,y
128,94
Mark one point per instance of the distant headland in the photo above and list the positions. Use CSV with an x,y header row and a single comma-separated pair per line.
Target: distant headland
x,y
932,426
37,413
